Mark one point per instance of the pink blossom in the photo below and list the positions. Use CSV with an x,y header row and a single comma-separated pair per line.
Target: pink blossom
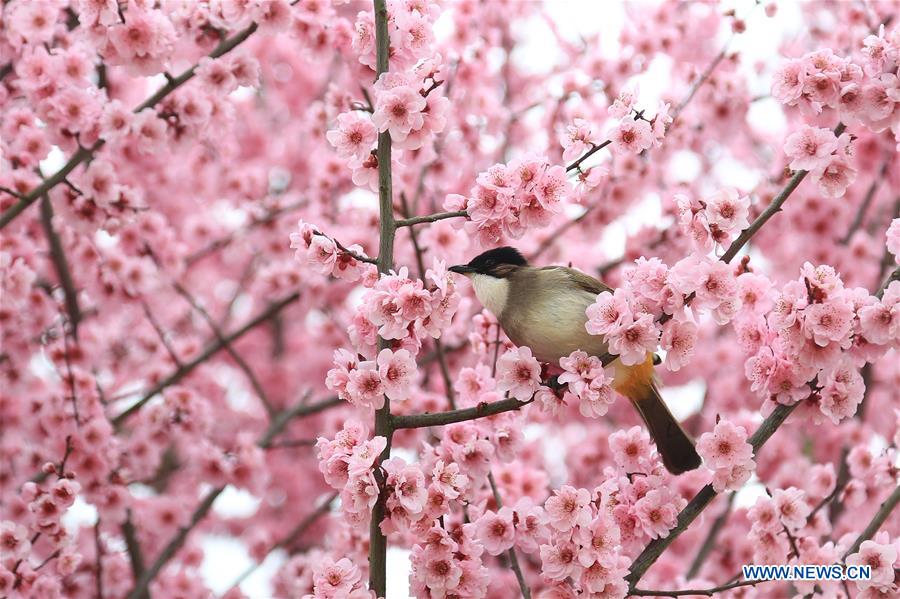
x,y
608,313
518,373
365,387
632,450
791,507
577,139
835,177
633,340
398,110
657,512
810,148
448,478
408,483
631,136
397,370
495,530
725,446
559,560
678,339
881,558
568,508
354,137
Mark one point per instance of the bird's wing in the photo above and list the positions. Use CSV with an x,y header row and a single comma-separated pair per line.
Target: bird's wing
x,y
581,280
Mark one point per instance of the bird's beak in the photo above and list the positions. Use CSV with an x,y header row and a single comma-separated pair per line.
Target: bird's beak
x,y
461,269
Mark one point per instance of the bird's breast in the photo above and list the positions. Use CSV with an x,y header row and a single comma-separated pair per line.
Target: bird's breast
x,y
551,323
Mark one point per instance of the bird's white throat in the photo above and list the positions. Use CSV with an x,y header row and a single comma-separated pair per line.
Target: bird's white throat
x,y
491,291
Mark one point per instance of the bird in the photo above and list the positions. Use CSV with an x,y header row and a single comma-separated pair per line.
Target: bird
x,y
544,309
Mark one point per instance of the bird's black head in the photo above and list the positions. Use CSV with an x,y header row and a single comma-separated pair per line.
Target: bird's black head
x,y
499,262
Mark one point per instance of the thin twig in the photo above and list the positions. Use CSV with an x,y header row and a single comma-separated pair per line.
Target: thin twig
x,y
594,149
220,336
206,354
61,265
708,592
161,333
140,590
288,539
430,218
867,201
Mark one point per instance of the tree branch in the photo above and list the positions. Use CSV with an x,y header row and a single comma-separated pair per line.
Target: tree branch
x,y
220,337
588,154
880,516
513,558
140,590
708,592
710,542
206,354
387,226
440,418
297,532
430,218
61,265
701,500
301,410
867,201
770,210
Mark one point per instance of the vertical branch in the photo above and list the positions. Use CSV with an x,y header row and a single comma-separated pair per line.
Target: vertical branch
x,y
61,264
377,540
513,558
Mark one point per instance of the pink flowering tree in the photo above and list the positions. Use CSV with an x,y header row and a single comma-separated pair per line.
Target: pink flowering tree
x,y
226,227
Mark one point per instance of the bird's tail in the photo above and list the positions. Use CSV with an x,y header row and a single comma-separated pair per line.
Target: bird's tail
x,y
674,445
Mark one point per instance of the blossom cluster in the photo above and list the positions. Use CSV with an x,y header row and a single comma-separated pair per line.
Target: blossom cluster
x,y
629,316
508,199
727,453
861,90
818,330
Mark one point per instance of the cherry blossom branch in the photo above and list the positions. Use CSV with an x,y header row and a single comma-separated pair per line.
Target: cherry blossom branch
x,y
349,252
301,410
438,346
163,338
710,542
61,265
701,500
387,231
594,149
773,208
440,418
140,590
206,354
867,201
227,240
708,592
880,516
894,276
513,558
135,556
289,538
430,218
220,337
83,154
